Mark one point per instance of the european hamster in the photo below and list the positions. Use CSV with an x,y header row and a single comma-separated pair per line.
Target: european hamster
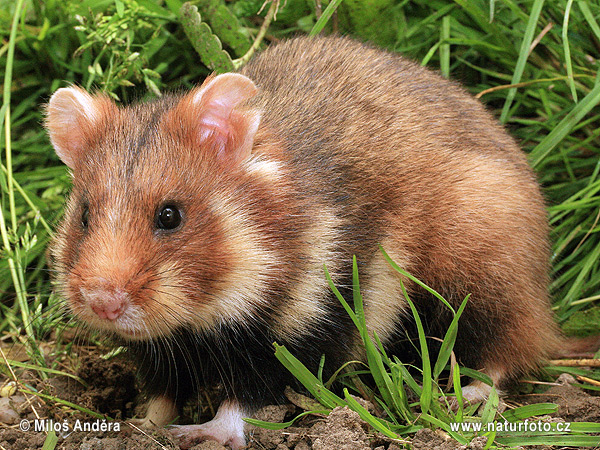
x,y
198,224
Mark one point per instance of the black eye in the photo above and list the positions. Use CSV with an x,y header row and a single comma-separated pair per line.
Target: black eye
x,y
85,217
169,217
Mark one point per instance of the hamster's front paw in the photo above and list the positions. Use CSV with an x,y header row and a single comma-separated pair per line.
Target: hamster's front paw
x,y
227,428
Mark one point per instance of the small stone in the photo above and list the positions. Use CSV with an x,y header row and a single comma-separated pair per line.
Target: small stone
x,y
8,415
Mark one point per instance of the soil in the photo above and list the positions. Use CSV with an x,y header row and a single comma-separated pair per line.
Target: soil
x,y
109,388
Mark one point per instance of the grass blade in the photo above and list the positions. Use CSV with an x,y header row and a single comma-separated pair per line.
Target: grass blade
x,y
445,47
427,393
65,403
491,407
50,441
560,441
325,16
375,361
444,426
585,9
458,392
567,49
365,415
282,425
527,411
416,280
449,340
559,132
308,380
523,55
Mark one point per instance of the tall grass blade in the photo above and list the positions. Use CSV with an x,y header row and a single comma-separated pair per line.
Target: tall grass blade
x,y
585,9
445,47
559,132
308,380
567,50
491,407
449,340
378,369
415,280
365,415
458,392
325,16
427,393
523,55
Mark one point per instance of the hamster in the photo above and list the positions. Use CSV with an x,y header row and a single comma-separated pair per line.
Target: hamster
x,y
198,225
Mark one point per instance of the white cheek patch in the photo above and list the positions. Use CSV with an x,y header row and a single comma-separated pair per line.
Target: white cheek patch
x,y
306,305
384,300
242,291
266,168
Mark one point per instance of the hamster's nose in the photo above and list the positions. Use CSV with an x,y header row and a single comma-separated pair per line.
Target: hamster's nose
x,y
107,304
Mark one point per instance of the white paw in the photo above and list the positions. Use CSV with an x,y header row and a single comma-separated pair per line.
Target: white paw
x,y
161,411
474,392
227,428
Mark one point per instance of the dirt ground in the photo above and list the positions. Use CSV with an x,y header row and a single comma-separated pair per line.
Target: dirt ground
x,y
111,390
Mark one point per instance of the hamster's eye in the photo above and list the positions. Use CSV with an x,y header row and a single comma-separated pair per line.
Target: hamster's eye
x,y
169,217
85,217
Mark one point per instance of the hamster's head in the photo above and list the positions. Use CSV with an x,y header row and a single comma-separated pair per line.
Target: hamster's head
x,y
151,239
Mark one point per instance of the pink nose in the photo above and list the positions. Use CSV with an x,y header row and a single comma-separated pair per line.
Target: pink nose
x,y
108,304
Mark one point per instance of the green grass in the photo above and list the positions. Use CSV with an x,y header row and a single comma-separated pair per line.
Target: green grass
x,y
394,384
534,63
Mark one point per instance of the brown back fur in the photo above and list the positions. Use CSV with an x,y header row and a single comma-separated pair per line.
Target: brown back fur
x,y
427,172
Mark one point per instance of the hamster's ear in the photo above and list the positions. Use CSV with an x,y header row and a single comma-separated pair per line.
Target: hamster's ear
x,y
217,120
72,117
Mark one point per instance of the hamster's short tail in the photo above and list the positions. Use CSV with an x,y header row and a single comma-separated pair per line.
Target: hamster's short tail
x,y
577,347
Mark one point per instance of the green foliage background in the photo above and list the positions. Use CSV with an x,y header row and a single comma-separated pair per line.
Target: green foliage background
x,y
534,63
